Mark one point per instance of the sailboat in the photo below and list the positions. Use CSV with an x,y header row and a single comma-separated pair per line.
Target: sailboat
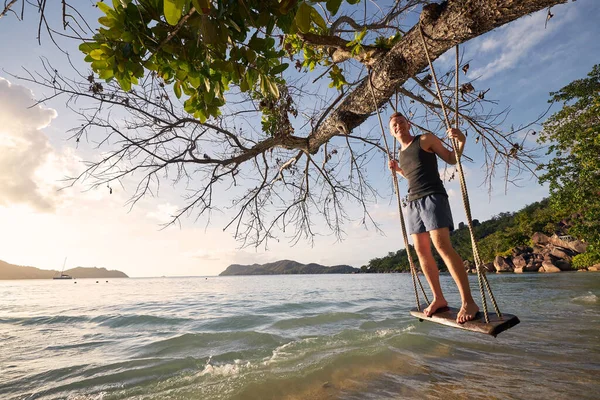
x,y
62,274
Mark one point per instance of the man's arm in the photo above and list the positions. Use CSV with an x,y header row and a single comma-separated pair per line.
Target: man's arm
x,y
393,165
434,144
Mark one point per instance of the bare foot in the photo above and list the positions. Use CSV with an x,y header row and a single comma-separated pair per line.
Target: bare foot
x,y
435,306
467,313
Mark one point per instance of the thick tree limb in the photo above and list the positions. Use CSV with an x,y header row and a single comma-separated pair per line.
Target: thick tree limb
x,y
445,26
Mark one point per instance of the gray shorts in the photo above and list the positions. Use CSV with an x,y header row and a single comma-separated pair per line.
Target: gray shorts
x,y
429,213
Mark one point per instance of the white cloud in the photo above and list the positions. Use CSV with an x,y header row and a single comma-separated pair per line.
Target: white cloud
x,y
163,213
513,43
24,148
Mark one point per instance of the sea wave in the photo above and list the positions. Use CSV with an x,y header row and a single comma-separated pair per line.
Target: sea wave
x,y
117,321
236,322
320,319
589,298
44,320
198,343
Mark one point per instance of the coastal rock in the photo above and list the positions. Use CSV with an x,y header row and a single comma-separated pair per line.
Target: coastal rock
x,y
521,250
503,264
576,245
533,264
518,270
563,265
563,253
595,267
549,267
519,262
468,264
489,267
539,238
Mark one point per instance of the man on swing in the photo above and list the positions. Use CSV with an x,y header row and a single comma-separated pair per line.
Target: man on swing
x,y
429,215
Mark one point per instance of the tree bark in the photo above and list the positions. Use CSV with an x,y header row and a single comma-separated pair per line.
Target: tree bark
x,y
444,25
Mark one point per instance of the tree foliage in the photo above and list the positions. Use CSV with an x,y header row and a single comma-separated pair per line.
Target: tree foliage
x,y
226,98
573,168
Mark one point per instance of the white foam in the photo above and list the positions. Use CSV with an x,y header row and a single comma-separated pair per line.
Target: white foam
x,y
591,298
225,369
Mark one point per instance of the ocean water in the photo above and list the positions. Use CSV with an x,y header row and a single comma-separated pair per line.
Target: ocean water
x,y
292,337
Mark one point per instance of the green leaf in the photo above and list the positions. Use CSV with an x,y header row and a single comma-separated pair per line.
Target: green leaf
x,y
106,21
303,17
318,19
173,10
273,88
177,89
98,54
105,8
88,47
279,68
209,96
333,6
125,84
244,87
106,74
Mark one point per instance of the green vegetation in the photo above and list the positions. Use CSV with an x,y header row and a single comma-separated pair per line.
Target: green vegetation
x,y
573,170
586,259
205,47
496,236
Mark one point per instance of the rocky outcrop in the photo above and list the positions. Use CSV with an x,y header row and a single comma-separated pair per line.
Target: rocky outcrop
x,y
549,254
503,264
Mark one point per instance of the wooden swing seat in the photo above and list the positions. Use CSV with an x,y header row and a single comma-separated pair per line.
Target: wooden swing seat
x,y
447,316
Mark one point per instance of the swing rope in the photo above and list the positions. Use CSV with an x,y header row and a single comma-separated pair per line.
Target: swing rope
x,y
481,277
413,270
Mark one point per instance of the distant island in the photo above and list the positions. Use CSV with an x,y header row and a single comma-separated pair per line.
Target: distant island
x,y
286,267
10,271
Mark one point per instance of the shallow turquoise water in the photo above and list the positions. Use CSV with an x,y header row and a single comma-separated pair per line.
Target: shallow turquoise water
x,y
292,337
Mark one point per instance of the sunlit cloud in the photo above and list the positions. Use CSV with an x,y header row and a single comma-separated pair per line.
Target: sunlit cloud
x,y
163,213
511,44
24,148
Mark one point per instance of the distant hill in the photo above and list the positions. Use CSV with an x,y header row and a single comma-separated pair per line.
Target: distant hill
x,y
10,271
286,267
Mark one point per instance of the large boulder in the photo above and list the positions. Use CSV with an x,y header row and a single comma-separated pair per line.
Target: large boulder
x,y
576,245
563,265
521,250
489,267
548,266
595,267
539,238
503,264
561,252
519,262
533,264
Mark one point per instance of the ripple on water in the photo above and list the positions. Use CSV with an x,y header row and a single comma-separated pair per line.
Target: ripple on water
x,y
320,319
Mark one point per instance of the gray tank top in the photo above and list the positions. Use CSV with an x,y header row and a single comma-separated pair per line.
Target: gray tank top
x,y
420,168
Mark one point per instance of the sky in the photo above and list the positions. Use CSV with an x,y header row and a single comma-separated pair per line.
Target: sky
x,y
40,225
